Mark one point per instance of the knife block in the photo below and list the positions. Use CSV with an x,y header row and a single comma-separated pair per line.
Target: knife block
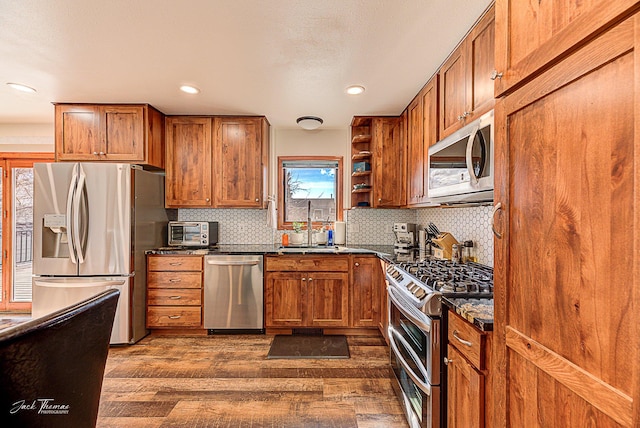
x,y
442,249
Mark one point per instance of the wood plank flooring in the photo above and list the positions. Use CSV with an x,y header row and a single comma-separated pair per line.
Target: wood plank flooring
x,y
227,381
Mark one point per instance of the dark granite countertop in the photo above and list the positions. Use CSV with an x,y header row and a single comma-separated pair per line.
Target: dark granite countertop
x,y
478,311
383,251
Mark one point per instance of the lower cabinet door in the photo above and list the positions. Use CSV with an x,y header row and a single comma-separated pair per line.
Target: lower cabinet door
x,y
328,299
285,299
465,392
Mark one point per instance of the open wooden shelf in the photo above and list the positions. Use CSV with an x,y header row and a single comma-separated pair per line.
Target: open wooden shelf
x,y
363,138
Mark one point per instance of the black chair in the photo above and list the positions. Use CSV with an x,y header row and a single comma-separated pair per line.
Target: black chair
x,y
51,368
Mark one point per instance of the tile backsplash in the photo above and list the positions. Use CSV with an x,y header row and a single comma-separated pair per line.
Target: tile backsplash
x,y
364,226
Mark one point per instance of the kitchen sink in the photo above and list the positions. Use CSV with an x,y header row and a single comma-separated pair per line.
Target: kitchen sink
x,y
312,250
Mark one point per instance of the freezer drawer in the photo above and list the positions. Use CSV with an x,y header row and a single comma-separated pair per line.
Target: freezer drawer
x,y
52,294
233,292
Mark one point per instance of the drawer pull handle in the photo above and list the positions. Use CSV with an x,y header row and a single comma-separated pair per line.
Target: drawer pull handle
x,y
175,317
175,280
175,264
464,342
175,297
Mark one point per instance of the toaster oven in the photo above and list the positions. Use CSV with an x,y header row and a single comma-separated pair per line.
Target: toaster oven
x,y
193,233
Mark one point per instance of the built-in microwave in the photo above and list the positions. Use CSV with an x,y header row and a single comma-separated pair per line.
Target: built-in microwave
x,y
193,233
460,166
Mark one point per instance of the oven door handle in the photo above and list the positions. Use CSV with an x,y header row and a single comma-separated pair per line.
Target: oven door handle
x,y
420,323
419,382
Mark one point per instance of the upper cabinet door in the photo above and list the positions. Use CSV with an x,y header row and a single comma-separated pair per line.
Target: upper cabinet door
x,y
466,85
533,35
389,159
78,134
123,133
189,162
238,153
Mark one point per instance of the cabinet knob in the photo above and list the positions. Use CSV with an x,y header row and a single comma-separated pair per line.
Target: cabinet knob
x,y
257,199
356,264
447,361
101,153
495,75
379,199
304,279
95,153
207,199
310,279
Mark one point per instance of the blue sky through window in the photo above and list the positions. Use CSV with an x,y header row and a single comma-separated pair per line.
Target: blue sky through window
x,y
314,182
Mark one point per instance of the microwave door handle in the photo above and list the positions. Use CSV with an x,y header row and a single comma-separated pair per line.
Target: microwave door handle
x,y
472,175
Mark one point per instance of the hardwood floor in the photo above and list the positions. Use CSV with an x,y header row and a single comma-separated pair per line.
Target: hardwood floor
x,y
226,381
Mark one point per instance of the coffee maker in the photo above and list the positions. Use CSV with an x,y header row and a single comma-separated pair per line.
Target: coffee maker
x,y
404,246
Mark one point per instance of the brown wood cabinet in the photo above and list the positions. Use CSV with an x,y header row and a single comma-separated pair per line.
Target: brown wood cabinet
x,y
366,286
567,283
306,291
174,291
217,162
466,85
189,162
468,367
110,132
380,143
530,37
422,134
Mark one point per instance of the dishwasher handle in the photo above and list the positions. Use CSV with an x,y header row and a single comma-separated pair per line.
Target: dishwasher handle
x,y
232,263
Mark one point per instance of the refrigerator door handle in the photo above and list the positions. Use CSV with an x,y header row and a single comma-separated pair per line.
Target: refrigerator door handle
x,y
79,228
69,215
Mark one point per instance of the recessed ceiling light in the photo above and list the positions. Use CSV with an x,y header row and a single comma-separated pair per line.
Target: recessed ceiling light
x,y
189,89
22,88
355,90
309,122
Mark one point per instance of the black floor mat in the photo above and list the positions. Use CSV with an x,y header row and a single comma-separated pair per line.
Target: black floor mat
x,y
299,346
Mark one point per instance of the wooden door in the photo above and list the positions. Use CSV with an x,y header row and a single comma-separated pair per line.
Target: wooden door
x,y
465,392
567,278
453,98
285,299
78,132
123,128
366,286
188,164
238,154
531,35
415,152
389,162
327,299
480,65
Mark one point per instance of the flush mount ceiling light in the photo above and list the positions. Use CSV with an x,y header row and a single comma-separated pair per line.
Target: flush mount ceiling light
x,y
355,89
22,88
309,122
189,89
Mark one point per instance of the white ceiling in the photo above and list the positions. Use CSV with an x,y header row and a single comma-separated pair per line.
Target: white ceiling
x,y
278,58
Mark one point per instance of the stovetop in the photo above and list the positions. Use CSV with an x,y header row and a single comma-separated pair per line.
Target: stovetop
x,y
420,282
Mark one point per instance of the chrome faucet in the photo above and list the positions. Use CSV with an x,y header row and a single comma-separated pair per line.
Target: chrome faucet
x,y
309,226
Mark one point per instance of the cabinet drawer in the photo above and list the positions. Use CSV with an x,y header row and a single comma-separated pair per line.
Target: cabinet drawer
x,y
174,280
177,263
308,263
467,339
174,316
174,296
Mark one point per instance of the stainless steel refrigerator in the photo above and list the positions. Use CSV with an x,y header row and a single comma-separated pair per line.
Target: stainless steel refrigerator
x,y
92,225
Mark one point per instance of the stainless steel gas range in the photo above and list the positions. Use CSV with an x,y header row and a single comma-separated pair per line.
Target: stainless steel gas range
x,y
415,292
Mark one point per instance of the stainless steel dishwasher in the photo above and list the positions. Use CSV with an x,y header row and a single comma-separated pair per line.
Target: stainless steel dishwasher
x,y
233,293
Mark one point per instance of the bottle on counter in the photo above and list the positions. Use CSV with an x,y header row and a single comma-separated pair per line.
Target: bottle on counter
x,y
330,236
468,252
455,253
285,239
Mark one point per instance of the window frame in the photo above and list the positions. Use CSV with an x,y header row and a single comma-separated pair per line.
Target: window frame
x,y
281,187
9,160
